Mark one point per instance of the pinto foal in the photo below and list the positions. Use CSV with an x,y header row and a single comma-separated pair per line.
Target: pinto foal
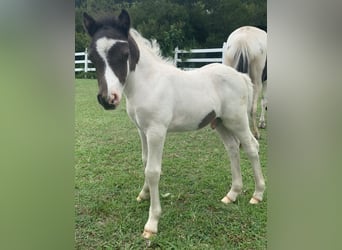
x,y
161,98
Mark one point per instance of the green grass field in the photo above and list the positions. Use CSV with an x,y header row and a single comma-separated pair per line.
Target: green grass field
x,y
195,176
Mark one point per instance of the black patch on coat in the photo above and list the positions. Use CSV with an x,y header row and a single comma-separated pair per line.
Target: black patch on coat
x,y
207,119
117,59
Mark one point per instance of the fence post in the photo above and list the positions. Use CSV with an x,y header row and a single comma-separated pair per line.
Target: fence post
x,y
86,60
175,57
223,50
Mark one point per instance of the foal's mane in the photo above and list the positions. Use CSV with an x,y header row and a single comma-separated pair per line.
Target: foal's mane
x,y
151,46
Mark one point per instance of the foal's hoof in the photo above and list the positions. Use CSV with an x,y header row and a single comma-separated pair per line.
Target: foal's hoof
x,y
148,234
262,125
141,198
226,200
254,200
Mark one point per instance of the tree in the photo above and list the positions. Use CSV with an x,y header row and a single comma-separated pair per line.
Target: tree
x,y
182,23
162,20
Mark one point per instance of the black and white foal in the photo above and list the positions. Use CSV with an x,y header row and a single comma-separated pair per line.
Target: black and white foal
x,y
161,98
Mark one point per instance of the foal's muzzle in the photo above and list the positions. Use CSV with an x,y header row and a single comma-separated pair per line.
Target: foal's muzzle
x,y
104,103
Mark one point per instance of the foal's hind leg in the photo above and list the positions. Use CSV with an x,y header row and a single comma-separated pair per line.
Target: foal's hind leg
x,y
144,193
251,147
231,144
240,129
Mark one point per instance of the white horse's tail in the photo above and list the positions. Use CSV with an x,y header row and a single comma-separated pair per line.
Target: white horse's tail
x,y
238,54
243,61
237,57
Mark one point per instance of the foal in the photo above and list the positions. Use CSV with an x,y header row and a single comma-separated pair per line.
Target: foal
x,y
162,98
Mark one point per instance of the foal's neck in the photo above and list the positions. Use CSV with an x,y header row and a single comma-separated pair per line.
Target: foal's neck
x,y
149,64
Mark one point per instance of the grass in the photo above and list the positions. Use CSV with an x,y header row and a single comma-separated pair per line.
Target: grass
x,y
195,176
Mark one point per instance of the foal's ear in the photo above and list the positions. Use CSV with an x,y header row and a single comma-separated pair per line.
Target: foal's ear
x,y
89,24
124,21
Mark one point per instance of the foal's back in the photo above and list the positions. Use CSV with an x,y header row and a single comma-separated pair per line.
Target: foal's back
x,y
227,90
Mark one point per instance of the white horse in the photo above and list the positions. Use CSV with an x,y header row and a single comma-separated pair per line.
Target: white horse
x,y
162,98
246,51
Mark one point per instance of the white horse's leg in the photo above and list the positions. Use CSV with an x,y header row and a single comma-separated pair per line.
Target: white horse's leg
x,y
262,121
144,193
232,144
251,147
255,75
256,91
155,144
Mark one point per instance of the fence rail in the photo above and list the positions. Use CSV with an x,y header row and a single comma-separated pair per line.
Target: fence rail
x,y
81,58
194,58
181,58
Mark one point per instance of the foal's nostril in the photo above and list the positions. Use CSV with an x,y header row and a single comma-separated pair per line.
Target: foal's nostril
x,y
114,98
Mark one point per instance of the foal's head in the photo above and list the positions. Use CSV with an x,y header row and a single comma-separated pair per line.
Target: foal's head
x,y
114,54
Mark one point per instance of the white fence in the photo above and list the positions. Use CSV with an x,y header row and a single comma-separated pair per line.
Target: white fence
x,y
200,58
81,58
196,58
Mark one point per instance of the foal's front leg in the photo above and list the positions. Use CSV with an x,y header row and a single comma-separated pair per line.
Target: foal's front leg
x,y
155,144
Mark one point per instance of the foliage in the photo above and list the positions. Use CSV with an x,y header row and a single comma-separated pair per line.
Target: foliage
x,y
186,24
165,24
195,176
